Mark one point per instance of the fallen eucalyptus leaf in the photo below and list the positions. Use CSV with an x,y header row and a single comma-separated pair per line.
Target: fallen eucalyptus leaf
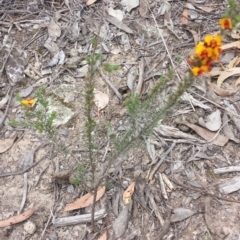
x,y
130,4
82,72
61,57
234,62
212,122
180,214
164,7
227,129
53,61
18,218
85,200
25,92
143,8
211,137
195,36
118,14
230,185
73,62
231,45
52,47
233,114
188,97
221,92
54,30
118,24
237,82
26,160
42,81
127,195
57,59
191,11
90,2
226,74
227,58
168,131
100,99
121,222
103,236
204,8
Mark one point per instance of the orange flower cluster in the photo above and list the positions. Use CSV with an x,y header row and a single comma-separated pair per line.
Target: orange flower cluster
x,y
205,53
208,51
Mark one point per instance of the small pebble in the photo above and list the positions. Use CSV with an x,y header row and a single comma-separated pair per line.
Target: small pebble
x,y
200,112
29,228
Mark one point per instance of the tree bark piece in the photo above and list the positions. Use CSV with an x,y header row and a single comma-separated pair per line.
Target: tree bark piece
x,y
227,169
67,221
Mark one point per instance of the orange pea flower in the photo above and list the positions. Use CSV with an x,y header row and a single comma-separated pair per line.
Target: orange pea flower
x,y
215,53
198,71
29,102
225,23
202,51
213,41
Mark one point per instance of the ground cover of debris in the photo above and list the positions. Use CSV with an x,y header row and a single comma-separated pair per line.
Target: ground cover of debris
x,y
184,179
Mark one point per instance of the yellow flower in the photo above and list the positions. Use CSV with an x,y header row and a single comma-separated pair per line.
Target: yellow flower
x,y
225,23
215,53
29,102
198,71
202,51
213,41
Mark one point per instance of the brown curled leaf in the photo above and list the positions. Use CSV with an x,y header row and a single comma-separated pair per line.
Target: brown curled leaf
x,y
219,91
18,218
85,200
219,140
127,195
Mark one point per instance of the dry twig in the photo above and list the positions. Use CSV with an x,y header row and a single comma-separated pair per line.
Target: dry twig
x,y
24,192
26,169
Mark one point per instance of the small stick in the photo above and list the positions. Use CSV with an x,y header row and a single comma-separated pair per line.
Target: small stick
x,y
24,193
163,189
166,225
39,176
203,191
105,78
35,70
5,23
226,169
161,160
217,105
4,63
46,225
190,101
140,79
67,221
6,111
167,181
26,169
155,209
